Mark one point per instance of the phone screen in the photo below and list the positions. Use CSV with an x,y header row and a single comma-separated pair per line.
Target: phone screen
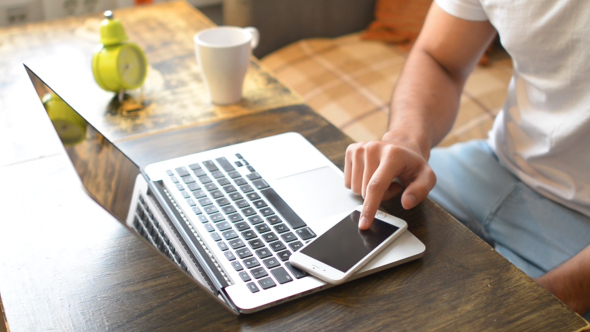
x,y
344,245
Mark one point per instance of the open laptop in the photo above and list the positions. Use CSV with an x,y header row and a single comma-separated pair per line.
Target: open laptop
x,y
228,217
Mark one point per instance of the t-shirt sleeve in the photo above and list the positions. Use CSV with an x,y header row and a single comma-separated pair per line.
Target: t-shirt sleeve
x,y
470,10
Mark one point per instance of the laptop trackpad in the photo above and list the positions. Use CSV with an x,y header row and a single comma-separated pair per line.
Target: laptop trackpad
x,y
317,194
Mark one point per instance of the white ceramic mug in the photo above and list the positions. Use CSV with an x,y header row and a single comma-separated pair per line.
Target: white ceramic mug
x,y
223,54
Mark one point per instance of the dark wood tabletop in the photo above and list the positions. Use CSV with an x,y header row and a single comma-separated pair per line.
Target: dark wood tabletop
x,y
66,265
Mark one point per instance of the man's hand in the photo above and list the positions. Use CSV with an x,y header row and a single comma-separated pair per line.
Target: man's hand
x,y
371,168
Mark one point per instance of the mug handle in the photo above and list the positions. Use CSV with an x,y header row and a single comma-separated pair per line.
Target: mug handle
x,y
255,36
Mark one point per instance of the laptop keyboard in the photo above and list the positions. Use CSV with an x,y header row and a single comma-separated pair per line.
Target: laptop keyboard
x,y
240,215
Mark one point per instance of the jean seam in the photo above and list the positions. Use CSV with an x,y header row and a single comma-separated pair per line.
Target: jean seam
x,y
488,219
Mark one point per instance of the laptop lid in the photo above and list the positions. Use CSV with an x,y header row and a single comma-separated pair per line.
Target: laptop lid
x,y
108,175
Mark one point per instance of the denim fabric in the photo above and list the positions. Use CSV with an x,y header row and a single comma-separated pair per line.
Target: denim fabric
x,y
534,233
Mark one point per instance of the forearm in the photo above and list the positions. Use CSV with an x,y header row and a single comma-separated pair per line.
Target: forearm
x,y
570,282
425,102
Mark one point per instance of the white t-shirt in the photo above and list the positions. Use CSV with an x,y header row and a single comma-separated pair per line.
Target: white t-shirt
x,y
542,134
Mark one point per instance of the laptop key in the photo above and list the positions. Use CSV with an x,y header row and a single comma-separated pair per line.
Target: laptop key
x,y
229,255
217,217
273,220
215,237
254,220
234,174
252,287
253,196
253,176
281,275
242,204
205,179
251,169
240,181
237,266
193,186
185,194
229,209
216,194
194,166
263,253
258,272
283,208
248,235
277,246
296,272
188,179
229,188
174,179
260,204
179,187
266,211
255,244
260,184
248,211
223,246
244,275
236,243
223,181
288,237
242,226
235,217
203,219
210,165
244,253
305,233
284,255
199,194
210,209
246,188
266,283
223,226
210,187
182,171
222,201
281,228
169,172
251,262
226,165
228,235
235,196
269,237
239,156
209,227
239,163
217,174
205,201
262,228
191,202
295,245
197,211
271,262
199,172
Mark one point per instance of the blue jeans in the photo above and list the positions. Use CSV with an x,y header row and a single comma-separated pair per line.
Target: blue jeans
x,y
534,233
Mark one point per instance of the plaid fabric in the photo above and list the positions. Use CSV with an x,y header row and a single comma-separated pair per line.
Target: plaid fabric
x,y
349,81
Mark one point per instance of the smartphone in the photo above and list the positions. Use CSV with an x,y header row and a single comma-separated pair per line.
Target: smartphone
x,y
343,249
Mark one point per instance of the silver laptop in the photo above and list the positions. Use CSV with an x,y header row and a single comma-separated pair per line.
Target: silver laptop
x,y
229,217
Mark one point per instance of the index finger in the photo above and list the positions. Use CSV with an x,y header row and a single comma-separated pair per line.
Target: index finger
x,y
380,181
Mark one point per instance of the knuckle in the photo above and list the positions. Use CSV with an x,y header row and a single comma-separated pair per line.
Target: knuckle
x,y
373,186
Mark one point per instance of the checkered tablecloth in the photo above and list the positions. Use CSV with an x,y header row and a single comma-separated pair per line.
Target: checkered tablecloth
x,y
349,81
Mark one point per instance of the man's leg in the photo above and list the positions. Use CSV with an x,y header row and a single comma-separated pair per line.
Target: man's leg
x,y
534,233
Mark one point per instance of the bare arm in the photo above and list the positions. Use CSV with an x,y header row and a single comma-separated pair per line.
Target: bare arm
x,y
423,109
570,282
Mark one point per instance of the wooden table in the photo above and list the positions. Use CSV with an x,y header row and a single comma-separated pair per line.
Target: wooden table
x,y
65,264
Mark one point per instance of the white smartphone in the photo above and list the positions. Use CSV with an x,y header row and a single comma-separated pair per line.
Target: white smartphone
x,y
343,249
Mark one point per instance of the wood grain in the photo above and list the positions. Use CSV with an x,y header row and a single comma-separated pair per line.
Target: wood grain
x,y
174,94
104,278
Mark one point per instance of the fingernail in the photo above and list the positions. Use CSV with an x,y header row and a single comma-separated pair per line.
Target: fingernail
x,y
363,223
412,200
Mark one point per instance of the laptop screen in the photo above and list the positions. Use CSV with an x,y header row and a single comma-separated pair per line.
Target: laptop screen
x,y
107,173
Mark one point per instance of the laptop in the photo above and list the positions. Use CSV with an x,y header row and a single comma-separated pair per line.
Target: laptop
x,y
230,217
